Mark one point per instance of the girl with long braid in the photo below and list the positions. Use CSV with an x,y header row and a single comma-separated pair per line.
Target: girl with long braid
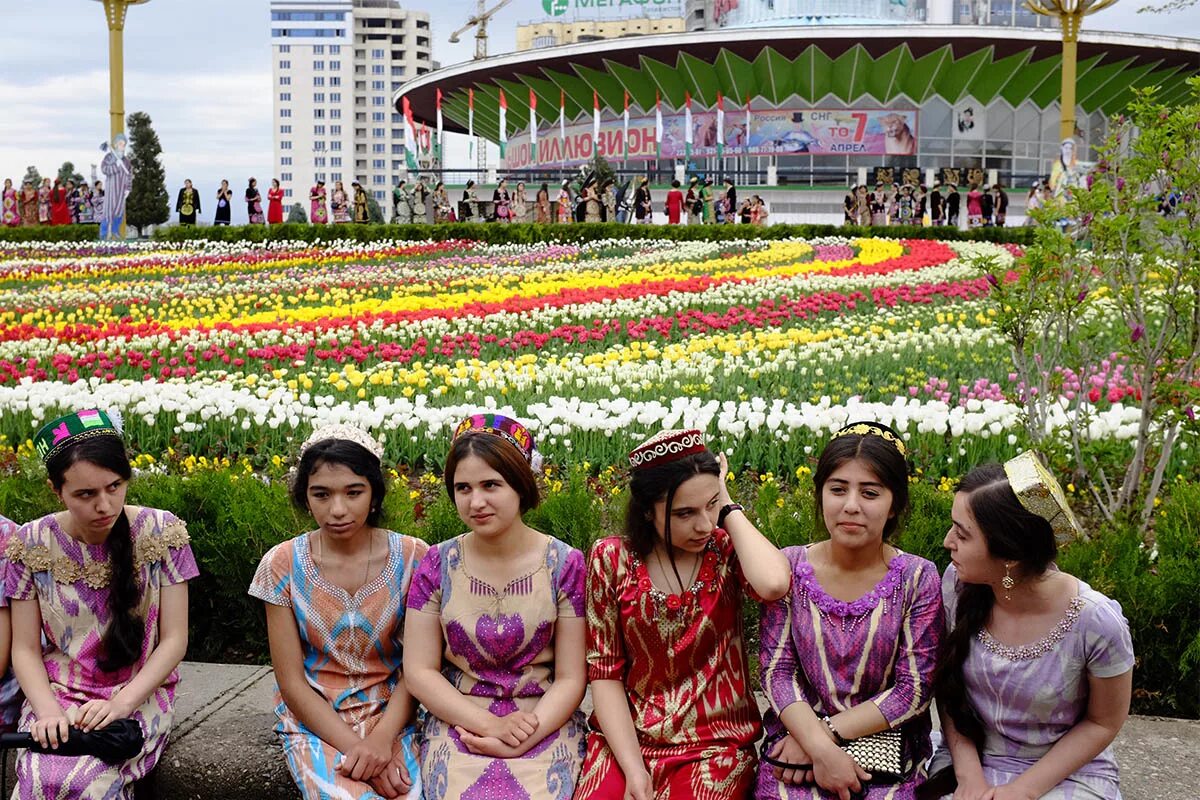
x,y
99,613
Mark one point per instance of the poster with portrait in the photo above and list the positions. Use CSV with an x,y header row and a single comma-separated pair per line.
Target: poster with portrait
x,y
969,120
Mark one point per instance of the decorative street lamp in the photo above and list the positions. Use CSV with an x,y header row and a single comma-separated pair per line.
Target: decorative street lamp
x,y
114,11
1070,15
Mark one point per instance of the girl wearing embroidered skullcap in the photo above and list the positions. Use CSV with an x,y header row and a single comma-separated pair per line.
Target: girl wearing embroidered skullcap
x,y
664,630
99,613
335,613
495,632
847,659
1036,673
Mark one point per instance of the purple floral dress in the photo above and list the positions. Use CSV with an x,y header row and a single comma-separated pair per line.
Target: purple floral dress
x,y
69,579
499,652
1029,697
10,691
832,655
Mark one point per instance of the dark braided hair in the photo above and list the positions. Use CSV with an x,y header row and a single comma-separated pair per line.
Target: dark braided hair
x,y
1013,534
648,485
122,642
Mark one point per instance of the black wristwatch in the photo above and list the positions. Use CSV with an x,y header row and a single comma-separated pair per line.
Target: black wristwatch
x,y
726,511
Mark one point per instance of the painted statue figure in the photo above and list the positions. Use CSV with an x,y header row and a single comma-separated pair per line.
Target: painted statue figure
x,y
118,171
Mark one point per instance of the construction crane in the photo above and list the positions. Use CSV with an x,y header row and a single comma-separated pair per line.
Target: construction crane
x,y
480,22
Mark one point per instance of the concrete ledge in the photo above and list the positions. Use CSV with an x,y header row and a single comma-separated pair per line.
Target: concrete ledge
x,y
223,745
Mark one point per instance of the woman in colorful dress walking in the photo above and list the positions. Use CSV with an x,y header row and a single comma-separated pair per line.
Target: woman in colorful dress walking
x,y
335,600
675,716
99,613
494,640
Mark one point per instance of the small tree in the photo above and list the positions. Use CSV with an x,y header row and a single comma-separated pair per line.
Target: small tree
x,y
67,173
148,202
296,214
374,212
1121,282
32,176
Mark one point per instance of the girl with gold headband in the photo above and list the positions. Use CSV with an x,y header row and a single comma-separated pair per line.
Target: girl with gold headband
x,y
99,613
675,716
1037,671
847,659
335,601
494,640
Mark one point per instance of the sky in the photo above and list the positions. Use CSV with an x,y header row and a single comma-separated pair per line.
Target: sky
x,y
202,71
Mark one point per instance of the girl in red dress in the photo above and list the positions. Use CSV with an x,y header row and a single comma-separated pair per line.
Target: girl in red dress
x,y
275,203
664,630
60,212
674,203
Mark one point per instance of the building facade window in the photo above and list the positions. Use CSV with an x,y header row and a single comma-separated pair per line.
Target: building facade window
x,y
285,130
285,97
285,113
285,145
285,64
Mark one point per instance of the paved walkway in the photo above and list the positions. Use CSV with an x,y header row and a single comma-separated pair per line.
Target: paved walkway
x,y
223,745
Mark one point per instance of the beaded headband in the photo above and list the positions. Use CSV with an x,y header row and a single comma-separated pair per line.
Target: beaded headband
x,y
874,429
347,432
506,428
1040,494
665,447
57,434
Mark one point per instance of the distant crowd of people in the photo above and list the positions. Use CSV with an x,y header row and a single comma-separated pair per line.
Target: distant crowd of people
x,y
987,206
52,203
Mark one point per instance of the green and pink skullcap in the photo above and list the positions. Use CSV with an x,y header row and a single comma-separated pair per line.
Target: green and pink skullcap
x,y
58,434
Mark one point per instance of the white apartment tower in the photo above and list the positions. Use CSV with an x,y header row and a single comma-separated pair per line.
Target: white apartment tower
x,y
336,66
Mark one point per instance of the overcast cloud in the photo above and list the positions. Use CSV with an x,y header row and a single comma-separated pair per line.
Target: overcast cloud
x,y
202,70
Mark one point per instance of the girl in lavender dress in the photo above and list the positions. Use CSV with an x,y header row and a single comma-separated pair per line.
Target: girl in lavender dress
x,y
852,651
1037,670
494,639
99,614
10,691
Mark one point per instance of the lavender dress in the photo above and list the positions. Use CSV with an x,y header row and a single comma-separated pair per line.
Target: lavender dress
x,y
1029,697
881,648
499,652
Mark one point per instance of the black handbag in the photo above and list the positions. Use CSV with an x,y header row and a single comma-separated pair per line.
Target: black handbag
x,y
881,754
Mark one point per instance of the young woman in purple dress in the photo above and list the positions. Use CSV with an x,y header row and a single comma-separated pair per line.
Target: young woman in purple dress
x,y
494,638
1037,671
851,651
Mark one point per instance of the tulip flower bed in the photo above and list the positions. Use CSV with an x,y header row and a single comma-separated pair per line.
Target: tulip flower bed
x,y
218,350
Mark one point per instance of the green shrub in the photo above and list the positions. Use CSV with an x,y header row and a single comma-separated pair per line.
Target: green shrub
x,y
531,233
51,233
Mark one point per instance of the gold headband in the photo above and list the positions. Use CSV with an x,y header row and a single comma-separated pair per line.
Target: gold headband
x,y
873,429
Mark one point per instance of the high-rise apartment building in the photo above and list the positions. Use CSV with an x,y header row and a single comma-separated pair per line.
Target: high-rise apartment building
x,y
336,65
536,35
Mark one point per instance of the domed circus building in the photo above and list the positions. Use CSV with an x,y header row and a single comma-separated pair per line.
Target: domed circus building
x,y
815,90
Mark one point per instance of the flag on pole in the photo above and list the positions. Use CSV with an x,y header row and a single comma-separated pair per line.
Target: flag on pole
x,y
437,143
423,139
746,135
625,126
532,127
562,116
471,124
687,126
658,125
595,121
720,125
409,154
503,124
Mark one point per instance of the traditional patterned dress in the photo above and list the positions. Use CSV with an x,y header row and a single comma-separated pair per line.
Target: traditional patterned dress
x,y
683,662
499,652
98,206
69,579
1030,697
10,691
362,211
542,208
274,206
12,214
83,211
401,205
118,181
29,207
352,656
520,206
254,212
319,214
833,655
44,214
338,203
564,206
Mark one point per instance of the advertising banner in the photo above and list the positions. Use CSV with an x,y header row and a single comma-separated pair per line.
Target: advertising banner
x,y
789,131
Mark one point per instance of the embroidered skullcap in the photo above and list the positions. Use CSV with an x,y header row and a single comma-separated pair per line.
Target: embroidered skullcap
x,y
874,429
1040,494
350,433
507,429
665,447
58,434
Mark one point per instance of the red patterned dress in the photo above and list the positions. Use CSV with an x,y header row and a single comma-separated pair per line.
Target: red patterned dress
x,y
682,659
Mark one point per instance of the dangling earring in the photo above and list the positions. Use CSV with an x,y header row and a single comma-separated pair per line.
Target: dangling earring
x,y
1007,582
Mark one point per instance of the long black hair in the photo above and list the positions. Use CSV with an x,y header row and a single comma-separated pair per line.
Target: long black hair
x,y
881,456
1013,534
353,456
649,485
122,642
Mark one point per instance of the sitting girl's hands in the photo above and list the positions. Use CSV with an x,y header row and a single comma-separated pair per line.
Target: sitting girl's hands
x,y
789,751
96,714
835,771
393,781
973,789
512,729
50,731
637,786
366,759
